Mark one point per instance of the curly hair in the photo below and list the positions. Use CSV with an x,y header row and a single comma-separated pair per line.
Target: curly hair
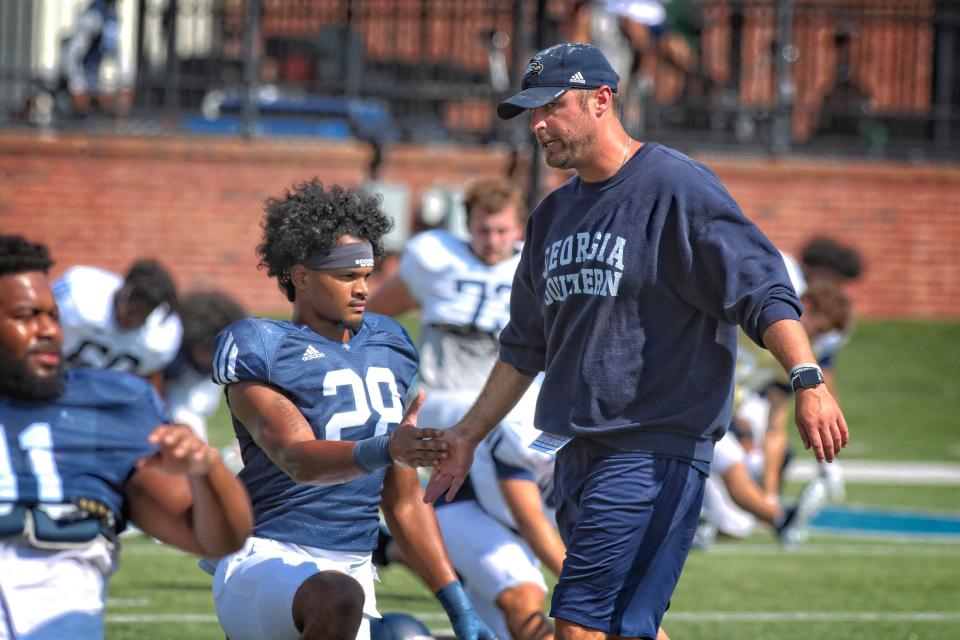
x,y
148,281
18,255
826,253
308,221
204,314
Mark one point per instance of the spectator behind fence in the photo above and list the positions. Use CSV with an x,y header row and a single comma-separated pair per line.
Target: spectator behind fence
x,y
637,37
96,38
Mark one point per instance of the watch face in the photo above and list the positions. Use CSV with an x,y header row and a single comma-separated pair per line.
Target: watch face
x,y
809,378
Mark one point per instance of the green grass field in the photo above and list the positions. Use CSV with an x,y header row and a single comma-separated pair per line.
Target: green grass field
x,y
900,388
899,385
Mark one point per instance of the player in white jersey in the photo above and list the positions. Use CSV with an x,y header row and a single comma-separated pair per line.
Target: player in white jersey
x,y
823,258
125,323
192,397
462,289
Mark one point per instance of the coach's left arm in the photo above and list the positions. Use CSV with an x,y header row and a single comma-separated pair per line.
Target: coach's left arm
x,y
818,416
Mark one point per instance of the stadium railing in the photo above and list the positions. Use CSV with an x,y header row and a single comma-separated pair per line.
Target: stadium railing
x,y
876,78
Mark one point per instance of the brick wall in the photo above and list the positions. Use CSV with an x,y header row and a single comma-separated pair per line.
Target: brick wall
x,y
195,204
903,219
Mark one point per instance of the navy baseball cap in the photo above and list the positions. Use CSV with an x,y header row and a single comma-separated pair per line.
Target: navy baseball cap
x,y
554,71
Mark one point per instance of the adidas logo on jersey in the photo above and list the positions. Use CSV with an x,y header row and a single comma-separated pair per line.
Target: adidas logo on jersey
x,y
311,353
577,78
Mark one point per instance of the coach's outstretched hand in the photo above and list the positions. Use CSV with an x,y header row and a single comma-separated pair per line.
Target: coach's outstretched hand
x,y
413,447
466,624
448,475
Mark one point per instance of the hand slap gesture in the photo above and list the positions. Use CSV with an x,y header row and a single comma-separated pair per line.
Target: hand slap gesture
x,y
413,447
181,451
448,476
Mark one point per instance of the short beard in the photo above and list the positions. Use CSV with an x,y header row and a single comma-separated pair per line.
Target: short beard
x,y
19,383
575,152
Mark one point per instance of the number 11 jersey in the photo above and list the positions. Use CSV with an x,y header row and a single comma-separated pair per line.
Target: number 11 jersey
x,y
346,391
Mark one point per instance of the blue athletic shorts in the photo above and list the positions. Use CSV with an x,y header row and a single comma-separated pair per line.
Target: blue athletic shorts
x,y
628,521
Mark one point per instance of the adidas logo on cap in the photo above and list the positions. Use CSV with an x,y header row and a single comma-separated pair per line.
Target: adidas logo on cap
x,y
577,78
311,353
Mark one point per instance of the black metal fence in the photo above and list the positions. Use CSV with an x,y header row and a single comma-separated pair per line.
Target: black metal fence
x,y
867,77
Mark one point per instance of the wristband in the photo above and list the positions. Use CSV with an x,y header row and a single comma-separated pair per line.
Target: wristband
x,y
454,599
803,365
463,617
805,376
372,453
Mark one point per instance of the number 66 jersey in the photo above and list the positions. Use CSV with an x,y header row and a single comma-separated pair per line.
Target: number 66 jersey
x,y
346,391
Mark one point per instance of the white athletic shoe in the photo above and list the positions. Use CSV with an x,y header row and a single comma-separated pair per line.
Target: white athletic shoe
x,y
705,536
832,472
794,530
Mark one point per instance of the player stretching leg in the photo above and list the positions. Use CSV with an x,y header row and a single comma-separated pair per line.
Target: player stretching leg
x,y
81,453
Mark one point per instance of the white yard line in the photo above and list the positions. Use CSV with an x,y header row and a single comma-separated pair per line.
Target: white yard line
x,y
933,546
813,616
160,617
938,548
874,472
678,616
129,602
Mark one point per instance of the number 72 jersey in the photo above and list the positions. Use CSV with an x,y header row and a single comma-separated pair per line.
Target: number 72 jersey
x,y
455,287
346,391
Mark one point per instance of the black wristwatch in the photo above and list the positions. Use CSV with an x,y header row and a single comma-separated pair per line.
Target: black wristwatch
x,y
807,378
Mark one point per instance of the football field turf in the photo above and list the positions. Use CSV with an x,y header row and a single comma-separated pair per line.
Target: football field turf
x,y
900,388
835,587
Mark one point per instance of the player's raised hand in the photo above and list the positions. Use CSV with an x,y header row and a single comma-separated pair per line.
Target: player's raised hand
x,y
411,446
449,474
181,451
820,422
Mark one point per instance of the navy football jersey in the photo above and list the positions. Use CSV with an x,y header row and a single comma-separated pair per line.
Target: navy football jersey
x,y
346,391
84,444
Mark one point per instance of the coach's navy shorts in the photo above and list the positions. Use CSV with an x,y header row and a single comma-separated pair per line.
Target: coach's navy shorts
x,y
628,521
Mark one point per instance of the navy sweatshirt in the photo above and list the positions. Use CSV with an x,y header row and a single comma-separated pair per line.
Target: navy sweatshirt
x,y
628,295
